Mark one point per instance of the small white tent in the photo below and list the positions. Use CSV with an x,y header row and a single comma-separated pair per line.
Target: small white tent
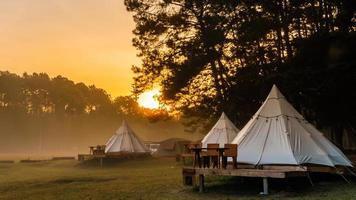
x,y
125,140
223,132
278,134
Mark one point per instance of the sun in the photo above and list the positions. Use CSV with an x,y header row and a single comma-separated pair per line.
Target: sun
x,y
149,99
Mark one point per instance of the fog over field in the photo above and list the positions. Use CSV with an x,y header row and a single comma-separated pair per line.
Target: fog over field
x,y
54,137
45,116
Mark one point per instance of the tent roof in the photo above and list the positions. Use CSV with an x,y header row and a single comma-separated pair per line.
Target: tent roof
x,y
125,140
223,132
169,144
171,147
278,134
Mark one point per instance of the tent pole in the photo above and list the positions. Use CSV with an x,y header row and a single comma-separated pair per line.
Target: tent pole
x,y
310,180
351,172
347,181
342,176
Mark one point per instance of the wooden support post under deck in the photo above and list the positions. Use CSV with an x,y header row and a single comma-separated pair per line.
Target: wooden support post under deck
x,y
265,185
201,183
101,162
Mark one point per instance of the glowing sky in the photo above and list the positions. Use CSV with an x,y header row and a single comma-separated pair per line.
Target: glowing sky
x,y
85,40
149,99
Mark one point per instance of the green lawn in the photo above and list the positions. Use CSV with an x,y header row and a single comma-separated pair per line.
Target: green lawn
x,y
146,179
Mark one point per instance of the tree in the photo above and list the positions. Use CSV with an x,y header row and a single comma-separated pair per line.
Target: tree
x,y
325,88
215,55
11,95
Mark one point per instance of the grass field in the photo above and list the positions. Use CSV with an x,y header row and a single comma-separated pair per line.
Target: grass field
x,y
147,179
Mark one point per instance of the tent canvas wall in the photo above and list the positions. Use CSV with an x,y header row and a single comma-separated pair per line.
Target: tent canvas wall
x,y
125,140
171,147
223,132
278,134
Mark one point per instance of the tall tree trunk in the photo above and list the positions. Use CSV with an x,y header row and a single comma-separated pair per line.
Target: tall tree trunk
x,y
285,24
218,86
299,22
224,72
315,18
279,45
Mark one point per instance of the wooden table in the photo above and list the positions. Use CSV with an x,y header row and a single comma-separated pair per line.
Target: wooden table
x,y
197,151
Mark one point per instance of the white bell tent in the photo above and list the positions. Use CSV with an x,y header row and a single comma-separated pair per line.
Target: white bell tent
x,y
278,134
223,132
125,140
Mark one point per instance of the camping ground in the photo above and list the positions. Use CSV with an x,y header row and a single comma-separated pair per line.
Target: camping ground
x,y
152,178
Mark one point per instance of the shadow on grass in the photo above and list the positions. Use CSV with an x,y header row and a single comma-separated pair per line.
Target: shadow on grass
x,y
81,180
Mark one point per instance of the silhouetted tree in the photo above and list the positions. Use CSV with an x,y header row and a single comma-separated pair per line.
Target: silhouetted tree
x,y
214,55
38,94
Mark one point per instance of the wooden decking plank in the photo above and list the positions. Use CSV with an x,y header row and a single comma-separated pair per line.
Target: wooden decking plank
x,y
296,174
321,169
242,172
285,168
188,171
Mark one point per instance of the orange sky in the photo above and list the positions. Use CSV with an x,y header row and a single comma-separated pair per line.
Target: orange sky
x,y
85,40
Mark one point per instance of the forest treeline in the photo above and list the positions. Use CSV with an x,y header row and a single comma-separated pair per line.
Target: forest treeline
x,y
44,115
38,95
39,114
211,56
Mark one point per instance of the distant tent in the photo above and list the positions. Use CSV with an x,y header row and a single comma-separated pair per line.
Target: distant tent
x,y
223,132
278,134
171,147
125,140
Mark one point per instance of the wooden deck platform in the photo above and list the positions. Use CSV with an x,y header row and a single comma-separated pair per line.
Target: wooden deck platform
x,y
190,174
268,173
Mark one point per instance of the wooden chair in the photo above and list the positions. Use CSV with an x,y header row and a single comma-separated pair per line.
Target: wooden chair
x,y
99,150
91,150
187,153
230,151
213,154
205,158
196,155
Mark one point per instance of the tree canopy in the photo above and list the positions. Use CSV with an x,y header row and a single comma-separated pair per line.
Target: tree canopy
x,y
44,115
220,55
38,95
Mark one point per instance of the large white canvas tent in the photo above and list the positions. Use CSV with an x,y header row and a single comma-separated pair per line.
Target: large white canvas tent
x,y
125,140
223,132
278,134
